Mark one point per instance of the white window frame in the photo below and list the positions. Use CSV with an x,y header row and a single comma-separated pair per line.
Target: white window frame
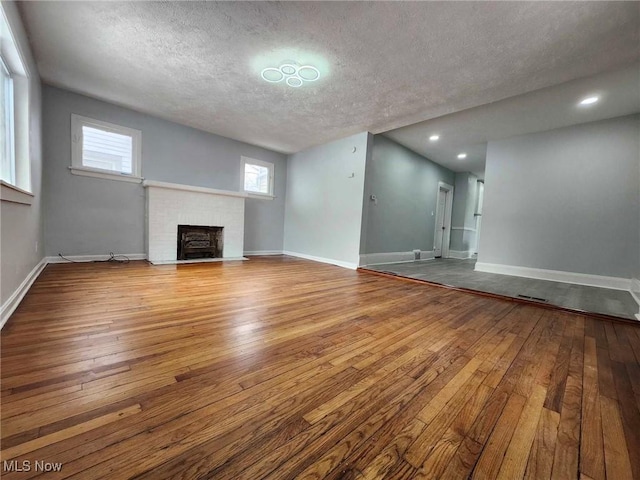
x,y
17,187
9,155
261,163
77,168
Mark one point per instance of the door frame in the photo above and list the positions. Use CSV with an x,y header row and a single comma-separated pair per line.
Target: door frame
x,y
446,237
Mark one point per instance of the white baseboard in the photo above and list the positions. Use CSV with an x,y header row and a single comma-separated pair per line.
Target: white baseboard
x,y
393,257
339,263
461,254
262,252
635,293
14,300
94,258
468,229
614,283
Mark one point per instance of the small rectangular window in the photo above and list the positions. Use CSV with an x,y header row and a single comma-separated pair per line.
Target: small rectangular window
x,y
257,176
7,136
105,148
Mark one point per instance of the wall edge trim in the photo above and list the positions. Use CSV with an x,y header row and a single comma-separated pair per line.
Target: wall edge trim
x,y
94,258
634,289
10,305
251,253
615,283
385,258
331,261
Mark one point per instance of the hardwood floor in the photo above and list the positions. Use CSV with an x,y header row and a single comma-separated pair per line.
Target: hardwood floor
x,y
282,368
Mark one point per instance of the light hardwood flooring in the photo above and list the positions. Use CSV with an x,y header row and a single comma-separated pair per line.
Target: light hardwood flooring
x,y
282,368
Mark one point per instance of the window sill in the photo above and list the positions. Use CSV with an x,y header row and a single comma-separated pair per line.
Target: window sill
x,y
92,172
260,196
13,194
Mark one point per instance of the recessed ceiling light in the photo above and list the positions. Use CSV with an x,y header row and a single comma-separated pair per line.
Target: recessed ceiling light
x,y
589,100
293,75
462,155
433,138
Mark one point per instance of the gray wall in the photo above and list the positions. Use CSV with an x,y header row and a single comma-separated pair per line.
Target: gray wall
x,y
324,201
21,225
566,199
463,221
88,216
406,187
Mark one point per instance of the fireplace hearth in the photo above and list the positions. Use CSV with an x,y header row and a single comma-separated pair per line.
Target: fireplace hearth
x,y
197,241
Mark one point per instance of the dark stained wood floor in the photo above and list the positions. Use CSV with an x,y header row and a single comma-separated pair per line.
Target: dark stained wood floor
x,y
283,368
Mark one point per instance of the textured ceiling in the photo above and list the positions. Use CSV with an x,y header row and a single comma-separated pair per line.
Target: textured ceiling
x,y
384,64
552,107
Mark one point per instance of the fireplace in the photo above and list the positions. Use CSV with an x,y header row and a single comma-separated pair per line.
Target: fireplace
x,y
196,241
169,205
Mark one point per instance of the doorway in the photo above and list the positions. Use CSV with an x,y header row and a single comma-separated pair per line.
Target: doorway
x,y
443,220
478,213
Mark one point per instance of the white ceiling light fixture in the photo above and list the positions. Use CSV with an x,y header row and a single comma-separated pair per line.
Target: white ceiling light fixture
x,y
272,75
462,155
288,69
294,81
434,138
590,100
308,73
293,75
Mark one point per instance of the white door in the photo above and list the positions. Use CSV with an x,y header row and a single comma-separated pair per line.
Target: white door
x,y
440,224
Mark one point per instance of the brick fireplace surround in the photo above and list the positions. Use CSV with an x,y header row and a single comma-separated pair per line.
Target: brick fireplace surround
x,y
169,205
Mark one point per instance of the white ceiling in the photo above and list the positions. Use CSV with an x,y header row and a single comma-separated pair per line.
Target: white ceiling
x,y
552,107
384,64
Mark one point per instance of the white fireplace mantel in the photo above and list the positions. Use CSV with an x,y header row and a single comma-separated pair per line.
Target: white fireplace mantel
x,y
173,204
191,188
